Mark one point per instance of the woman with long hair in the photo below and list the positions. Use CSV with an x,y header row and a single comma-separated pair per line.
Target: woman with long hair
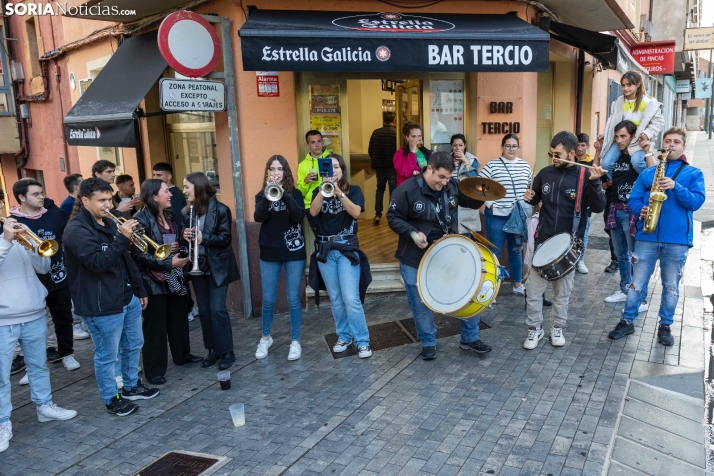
x,y
465,165
165,283
212,223
412,158
636,106
340,262
282,245
515,175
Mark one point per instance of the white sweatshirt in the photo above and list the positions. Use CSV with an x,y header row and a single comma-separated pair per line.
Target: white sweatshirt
x,y
22,295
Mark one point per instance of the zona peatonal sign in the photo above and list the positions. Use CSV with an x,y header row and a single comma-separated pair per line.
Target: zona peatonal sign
x,y
191,95
391,42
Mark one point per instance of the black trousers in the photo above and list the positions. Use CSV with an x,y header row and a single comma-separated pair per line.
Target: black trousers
x,y
165,315
215,321
60,304
384,177
613,256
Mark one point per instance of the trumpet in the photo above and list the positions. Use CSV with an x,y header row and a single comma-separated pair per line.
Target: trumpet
x,y
140,240
273,191
327,189
193,245
26,237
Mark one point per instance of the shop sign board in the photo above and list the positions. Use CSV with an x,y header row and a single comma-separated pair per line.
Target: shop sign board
x,y
191,95
189,44
703,88
267,84
683,86
699,38
656,57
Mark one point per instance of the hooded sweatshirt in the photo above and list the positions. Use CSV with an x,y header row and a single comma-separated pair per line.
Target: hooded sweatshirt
x,y
21,292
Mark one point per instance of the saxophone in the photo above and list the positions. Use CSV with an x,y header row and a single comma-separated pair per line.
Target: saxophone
x,y
657,197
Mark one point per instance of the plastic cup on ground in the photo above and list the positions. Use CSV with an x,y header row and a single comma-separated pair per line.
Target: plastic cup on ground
x,y
224,378
238,414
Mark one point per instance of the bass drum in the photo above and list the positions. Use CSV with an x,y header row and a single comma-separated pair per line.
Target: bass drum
x,y
557,256
458,277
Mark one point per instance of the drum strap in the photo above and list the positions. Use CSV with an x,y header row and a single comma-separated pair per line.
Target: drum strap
x,y
445,227
578,201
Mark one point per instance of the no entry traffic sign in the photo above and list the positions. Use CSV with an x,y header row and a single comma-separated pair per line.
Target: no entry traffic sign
x,y
189,44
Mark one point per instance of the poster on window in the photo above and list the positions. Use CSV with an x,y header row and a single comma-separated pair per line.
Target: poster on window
x,y
333,143
324,99
446,110
326,123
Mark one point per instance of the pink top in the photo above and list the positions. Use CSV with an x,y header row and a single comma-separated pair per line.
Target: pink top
x,y
405,165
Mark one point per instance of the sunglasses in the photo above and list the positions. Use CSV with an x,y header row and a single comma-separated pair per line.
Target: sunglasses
x,y
554,156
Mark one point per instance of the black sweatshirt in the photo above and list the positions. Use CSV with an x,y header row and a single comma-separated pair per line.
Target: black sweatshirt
x,y
281,236
557,189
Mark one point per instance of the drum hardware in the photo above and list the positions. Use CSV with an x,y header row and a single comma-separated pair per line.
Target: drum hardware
x,y
481,188
557,256
479,238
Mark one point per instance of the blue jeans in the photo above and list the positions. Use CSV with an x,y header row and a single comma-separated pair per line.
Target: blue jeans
x,y
33,338
671,258
342,283
496,235
613,153
215,320
269,276
108,333
624,245
424,317
585,238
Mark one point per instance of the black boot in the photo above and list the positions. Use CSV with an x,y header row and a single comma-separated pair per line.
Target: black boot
x,y
210,359
226,360
546,302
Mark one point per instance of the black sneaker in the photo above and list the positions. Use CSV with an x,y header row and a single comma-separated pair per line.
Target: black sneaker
x,y
622,329
665,335
428,352
377,219
121,407
477,346
612,267
53,356
546,303
140,392
18,365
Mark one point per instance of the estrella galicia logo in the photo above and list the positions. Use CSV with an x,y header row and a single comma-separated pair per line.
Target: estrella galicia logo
x,y
419,207
394,22
383,53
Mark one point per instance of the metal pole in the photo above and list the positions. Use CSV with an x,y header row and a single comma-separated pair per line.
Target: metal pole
x,y
708,120
235,164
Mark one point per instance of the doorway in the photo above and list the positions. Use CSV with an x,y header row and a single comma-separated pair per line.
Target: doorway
x,y
544,125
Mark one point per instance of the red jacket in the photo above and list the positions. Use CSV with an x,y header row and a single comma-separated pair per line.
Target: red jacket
x,y
405,163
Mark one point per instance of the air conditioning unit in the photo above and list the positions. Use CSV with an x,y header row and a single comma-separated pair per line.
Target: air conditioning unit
x,y
16,71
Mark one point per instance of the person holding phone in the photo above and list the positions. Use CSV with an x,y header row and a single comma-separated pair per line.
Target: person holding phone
x,y
412,158
308,178
165,283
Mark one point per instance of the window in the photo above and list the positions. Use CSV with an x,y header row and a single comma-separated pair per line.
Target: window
x,y
32,48
6,108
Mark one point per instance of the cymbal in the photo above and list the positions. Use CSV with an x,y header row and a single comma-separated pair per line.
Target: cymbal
x,y
479,238
480,188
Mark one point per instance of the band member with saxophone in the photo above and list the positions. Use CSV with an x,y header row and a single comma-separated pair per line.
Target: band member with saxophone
x,y
422,210
558,187
165,283
619,220
280,212
216,267
108,293
664,231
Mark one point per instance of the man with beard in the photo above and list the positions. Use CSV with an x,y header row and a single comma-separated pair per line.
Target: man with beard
x,y
558,186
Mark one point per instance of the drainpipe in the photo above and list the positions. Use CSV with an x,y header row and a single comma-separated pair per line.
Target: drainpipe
x,y
579,93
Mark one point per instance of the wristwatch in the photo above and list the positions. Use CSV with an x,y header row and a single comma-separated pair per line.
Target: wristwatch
x,y
342,195
649,154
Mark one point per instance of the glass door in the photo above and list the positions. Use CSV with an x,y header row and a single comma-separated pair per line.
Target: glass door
x,y
409,106
193,145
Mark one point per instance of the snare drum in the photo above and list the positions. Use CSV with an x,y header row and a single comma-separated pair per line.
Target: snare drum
x,y
557,256
458,277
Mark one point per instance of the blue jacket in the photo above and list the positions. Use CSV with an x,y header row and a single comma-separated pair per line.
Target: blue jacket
x,y
676,219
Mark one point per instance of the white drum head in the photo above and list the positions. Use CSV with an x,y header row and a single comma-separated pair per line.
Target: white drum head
x,y
553,248
450,274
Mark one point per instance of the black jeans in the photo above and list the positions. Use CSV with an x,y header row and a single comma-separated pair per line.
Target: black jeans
x,y
165,315
606,212
60,304
384,177
215,321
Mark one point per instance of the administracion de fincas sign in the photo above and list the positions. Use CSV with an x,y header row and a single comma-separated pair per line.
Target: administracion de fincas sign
x,y
656,57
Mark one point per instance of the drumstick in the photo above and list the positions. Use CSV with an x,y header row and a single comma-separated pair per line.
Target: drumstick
x,y
576,163
415,236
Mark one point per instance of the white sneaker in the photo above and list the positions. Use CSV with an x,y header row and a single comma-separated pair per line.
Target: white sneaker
x,y
582,268
120,381
263,347
194,311
78,333
618,296
5,435
190,317
520,290
534,336
70,363
364,352
556,337
25,380
340,346
295,350
644,307
51,412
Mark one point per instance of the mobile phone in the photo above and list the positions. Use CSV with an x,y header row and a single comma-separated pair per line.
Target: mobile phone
x,y
325,167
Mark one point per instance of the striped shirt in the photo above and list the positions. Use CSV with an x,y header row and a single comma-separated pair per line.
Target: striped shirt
x,y
516,173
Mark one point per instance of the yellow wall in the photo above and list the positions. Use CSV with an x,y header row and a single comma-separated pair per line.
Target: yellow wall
x,y
365,111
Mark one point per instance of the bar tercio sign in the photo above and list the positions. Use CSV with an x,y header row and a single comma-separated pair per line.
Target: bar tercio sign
x,y
189,44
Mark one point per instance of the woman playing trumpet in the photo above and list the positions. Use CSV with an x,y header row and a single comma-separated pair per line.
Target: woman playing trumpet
x,y
281,246
165,283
